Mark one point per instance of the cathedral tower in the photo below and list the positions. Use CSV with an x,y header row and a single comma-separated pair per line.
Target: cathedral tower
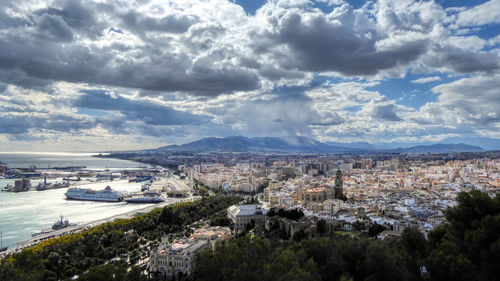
x,y
339,185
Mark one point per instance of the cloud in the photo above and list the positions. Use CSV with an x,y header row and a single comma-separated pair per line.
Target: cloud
x,y
451,58
161,72
344,41
170,23
138,110
53,27
486,13
469,100
69,42
20,124
193,47
382,111
278,115
425,80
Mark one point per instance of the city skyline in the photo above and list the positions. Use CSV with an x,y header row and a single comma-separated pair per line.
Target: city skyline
x,y
94,75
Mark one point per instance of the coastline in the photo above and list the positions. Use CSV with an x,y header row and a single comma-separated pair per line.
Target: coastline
x,y
43,205
26,243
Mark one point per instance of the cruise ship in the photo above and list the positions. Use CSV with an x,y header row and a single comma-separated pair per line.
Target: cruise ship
x,y
87,194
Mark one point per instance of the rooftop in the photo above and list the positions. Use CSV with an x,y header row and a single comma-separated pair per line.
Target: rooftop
x,y
247,210
183,246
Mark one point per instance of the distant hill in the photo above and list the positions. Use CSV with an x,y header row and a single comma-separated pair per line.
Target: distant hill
x,y
299,144
439,148
295,144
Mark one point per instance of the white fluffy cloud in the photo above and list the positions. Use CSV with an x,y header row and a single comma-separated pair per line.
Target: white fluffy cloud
x,y
427,79
486,13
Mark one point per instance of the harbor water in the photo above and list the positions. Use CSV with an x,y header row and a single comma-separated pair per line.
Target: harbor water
x,y
25,213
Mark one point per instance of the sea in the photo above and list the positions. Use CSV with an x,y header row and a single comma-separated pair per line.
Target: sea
x,y
25,213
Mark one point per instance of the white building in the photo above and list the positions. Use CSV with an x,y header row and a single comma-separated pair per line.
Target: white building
x,y
171,260
241,215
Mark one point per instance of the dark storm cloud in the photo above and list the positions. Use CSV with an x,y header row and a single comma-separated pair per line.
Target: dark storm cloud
x,y
55,28
319,42
46,60
79,15
46,49
340,50
139,110
60,123
159,71
360,43
9,21
463,61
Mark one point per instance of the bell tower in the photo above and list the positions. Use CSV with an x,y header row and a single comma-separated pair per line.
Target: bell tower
x,y
339,185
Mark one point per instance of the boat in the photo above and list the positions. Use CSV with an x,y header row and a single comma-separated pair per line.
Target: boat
x,y
30,175
60,224
2,248
87,194
145,199
141,178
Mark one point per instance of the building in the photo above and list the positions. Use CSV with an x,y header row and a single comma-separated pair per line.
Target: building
x,y
275,185
316,194
174,259
339,185
241,215
22,185
246,188
288,226
289,171
333,206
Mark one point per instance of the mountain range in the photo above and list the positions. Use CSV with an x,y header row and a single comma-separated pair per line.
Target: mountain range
x,y
300,144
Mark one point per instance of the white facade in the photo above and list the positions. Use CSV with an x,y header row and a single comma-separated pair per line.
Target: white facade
x,y
171,260
241,215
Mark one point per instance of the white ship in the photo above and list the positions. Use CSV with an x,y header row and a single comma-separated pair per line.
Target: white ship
x,y
145,199
87,194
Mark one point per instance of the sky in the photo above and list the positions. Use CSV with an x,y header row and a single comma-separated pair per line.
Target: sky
x,y
87,75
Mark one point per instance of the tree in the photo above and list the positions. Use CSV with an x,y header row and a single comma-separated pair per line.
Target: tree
x,y
202,191
414,243
299,235
358,226
107,272
221,221
166,215
469,244
374,229
321,226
